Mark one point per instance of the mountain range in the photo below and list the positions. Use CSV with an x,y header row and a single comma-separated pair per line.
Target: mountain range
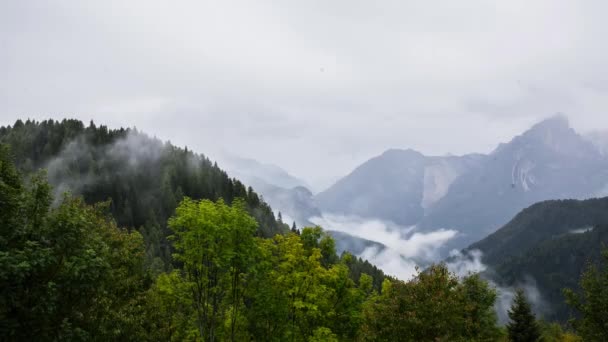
x,y
473,194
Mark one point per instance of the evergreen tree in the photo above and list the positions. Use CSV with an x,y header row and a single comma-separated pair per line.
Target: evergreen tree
x,y
592,302
522,326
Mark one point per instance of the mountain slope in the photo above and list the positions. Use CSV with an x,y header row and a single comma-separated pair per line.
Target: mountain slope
x,y
397,186
540,222
144,177
550,161
284,192
550,242
251,170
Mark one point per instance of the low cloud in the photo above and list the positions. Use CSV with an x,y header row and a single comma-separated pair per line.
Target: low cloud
x,y
470,262
404,247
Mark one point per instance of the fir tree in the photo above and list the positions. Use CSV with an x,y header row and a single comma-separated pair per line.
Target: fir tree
x,y
294,229
522,326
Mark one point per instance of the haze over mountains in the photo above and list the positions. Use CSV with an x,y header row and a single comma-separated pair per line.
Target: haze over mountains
x,y
448,201
472,194
285,193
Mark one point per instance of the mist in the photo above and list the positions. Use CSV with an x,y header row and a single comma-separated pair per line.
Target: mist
x,y
470,262
403,252
259,79
128,154
403,249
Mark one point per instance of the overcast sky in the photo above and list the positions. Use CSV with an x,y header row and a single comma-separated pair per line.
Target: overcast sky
x,y
313,86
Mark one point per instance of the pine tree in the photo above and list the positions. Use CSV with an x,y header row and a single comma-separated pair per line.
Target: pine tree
x,y
294,229
522,326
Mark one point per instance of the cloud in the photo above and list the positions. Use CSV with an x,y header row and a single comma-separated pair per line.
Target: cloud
x,y
126,156
404,246
406,250
467,263
316,86
463,264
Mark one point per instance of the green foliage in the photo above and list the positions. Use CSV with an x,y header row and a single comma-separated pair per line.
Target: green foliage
x,y
591,303
66,273
214,243
315,237
359,267
297,298
522,326
435,306
553,332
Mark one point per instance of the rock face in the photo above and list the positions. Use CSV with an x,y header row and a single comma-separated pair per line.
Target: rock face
x,y
399,186
474,194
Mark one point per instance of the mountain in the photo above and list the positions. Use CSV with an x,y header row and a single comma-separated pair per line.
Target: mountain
x,y
550,242
473,194
398,186
296,204
600,140
549,161
285,193
251,170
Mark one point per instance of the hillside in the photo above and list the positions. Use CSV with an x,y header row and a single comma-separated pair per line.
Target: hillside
x,y
549,242
144,177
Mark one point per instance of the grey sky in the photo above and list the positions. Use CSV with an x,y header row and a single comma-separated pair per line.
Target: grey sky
x,y
313,86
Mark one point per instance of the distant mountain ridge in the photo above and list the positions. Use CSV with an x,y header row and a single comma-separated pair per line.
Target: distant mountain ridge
x,y
285,193
249,169
473,194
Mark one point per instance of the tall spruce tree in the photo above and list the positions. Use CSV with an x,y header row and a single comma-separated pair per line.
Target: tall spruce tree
x,y
522,326
293,227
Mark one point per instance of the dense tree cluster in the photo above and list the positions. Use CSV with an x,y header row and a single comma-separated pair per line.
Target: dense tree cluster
x,y
66,272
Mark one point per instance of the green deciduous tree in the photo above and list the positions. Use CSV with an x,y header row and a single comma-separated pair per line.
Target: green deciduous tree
x,y
295,297
214,243
434,306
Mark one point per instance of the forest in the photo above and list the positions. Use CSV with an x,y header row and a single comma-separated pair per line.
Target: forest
x,y
109,235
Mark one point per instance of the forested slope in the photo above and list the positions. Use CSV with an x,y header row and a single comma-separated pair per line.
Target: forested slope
x,y
144,177
550,242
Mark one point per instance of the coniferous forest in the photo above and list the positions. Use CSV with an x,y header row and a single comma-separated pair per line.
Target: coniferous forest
x,y
110,235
